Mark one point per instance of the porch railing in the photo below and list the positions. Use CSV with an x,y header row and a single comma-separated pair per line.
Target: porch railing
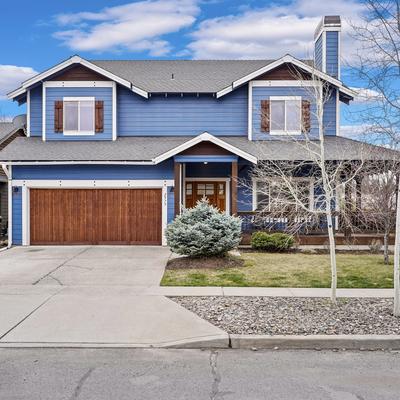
x,y
304,223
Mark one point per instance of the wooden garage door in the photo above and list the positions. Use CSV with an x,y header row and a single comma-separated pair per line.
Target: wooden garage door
x,y
95,216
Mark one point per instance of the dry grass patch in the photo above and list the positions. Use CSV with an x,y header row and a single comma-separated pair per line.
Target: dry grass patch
x,y
361,270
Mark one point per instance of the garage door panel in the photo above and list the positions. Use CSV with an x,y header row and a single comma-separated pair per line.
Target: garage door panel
x,y
95,216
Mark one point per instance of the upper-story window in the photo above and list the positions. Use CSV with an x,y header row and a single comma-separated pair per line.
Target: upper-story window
x,y
79,115
285,115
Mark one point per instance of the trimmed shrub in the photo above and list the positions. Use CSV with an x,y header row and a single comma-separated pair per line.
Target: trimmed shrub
x,y
273,242
203,231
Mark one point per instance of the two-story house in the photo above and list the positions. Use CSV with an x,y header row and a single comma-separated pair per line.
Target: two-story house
x,y
115,149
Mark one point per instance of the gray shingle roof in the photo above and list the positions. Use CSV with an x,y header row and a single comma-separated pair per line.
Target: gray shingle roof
x,y
147,148
182,76
6,128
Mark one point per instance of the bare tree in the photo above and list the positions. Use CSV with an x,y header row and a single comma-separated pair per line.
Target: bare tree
x,y
282,195
378,67
379,188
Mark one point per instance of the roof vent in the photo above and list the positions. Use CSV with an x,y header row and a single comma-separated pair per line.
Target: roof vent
x,y
172,76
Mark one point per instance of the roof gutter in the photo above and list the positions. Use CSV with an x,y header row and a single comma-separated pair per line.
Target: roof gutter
x,y
5,163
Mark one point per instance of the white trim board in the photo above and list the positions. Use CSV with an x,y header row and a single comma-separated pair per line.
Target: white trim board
x,y
28,113
201,138
75,60
283,83
286,59
80,84
92,183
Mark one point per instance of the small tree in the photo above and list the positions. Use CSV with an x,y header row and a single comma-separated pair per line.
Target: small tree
x,y
203,231
288,199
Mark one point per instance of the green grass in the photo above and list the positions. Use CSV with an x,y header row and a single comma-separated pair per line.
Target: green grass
x,y
290,270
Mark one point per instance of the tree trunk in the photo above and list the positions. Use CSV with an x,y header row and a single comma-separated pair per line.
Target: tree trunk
x,y
332,251
396,272
386,248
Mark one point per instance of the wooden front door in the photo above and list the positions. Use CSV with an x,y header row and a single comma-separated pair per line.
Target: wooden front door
x,y
215,192
95,216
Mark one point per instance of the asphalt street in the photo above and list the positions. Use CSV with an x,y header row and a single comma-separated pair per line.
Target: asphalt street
x,y
119,374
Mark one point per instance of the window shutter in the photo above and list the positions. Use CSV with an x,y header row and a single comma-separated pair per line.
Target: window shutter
x,y
58,116
265,116
306,116
99,116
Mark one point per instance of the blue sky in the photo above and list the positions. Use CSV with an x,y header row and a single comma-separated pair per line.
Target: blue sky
x,y
38,34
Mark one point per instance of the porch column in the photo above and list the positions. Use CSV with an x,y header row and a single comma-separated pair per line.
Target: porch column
x,y
177,188
234,177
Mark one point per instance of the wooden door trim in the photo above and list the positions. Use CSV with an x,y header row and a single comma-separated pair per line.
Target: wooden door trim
x,y
227,189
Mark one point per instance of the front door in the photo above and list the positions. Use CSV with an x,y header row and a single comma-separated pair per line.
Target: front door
x,y
215,192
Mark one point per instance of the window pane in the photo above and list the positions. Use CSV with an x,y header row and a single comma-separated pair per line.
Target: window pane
x,y
277,115
210,188
71,115
262,195
293,115
201,189
87,116
303,189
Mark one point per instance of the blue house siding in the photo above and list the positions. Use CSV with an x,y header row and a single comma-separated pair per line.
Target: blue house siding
x,y
164,170
318,53
332,53
36,111
100,93
264,93
245,195
17,215
180,116
170,204
330,116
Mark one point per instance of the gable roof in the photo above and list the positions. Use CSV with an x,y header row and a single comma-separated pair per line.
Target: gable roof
x,y
181,76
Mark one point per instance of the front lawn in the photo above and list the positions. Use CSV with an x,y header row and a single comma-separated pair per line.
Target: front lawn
x,y
289,270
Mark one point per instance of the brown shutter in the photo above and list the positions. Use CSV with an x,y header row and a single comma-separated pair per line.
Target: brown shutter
x,y
306,116
58,116
99,116
265,116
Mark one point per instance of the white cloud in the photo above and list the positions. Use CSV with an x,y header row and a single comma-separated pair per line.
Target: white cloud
x,y
363,132
366,95
269,32
135,26
11,76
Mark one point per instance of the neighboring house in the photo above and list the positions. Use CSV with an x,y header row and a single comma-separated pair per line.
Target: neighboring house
x,y
115,149
8,132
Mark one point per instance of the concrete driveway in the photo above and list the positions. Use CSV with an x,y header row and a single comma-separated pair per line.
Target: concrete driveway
x,y
91,295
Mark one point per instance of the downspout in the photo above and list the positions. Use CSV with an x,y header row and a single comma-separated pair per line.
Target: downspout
x,y
8,175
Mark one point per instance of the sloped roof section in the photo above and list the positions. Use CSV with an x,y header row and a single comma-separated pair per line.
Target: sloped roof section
x,y
186,76
151,149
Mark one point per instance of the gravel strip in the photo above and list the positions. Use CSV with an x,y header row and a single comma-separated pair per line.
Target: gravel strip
x,y
295,316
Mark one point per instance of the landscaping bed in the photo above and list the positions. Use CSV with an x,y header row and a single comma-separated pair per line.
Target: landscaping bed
x,y
293,269
295,316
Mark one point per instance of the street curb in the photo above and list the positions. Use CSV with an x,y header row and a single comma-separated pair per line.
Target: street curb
x,y
203,342
316,342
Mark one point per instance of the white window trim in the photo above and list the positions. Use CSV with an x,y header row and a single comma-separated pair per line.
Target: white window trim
x,y
284,98
299,179
78,132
